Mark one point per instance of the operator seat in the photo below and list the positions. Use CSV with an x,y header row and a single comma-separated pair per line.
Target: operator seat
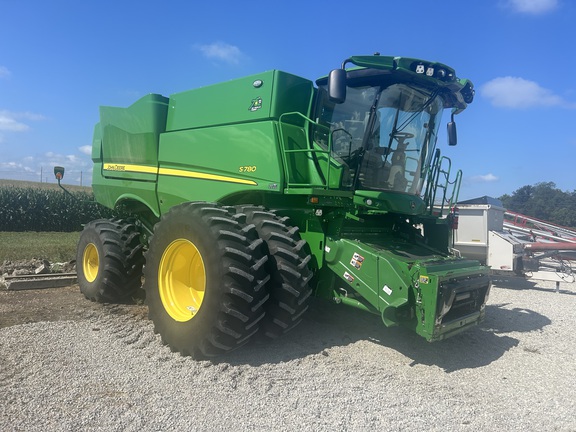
x,y
397,179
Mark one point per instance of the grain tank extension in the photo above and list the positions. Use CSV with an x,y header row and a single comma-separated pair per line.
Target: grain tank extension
x,y
250,196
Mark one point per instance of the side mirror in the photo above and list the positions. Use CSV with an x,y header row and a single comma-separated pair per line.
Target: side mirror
x,y
452,135
337,86
59,173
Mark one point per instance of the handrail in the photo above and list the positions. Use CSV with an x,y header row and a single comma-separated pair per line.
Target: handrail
x,y
433,173
435,182
309,149
456,188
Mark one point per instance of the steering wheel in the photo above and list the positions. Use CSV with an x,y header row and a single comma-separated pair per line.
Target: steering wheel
x,y
402,136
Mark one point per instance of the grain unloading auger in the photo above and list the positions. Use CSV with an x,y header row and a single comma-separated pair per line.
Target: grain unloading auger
x,y
251,195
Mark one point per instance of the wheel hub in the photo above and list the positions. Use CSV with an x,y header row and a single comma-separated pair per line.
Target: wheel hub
x,y
90,262
182,280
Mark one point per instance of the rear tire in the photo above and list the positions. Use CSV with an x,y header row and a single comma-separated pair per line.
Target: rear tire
x,y
288,266
109,260
205,280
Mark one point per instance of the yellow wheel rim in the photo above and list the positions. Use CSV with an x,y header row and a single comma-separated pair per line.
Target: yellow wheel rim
x,y
90,262
181,280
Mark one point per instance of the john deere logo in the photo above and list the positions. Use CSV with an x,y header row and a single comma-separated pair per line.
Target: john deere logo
x,y
256,104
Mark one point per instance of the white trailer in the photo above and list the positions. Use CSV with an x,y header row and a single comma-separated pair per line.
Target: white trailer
x,y
486,232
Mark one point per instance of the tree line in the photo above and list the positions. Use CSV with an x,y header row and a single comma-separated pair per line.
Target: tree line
x,y
543,201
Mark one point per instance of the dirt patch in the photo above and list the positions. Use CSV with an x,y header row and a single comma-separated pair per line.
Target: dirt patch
x,y
51,304
55,304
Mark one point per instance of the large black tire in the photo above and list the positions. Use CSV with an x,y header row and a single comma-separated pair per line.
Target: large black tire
x,y
288,266
205,278
109,260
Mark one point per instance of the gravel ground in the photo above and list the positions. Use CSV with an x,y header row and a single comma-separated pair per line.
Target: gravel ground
x,y
101,367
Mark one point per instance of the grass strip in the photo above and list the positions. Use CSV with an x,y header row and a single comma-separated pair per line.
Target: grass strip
x,y
52,246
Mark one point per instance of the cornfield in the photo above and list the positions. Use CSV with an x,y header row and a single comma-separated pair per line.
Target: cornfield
x,y
33,209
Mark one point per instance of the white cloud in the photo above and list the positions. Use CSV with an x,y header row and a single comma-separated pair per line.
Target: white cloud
x,y
221,51
486,178
72,158
533,7
10,165
52,158
16,167
515,92
4,72
78,168
10,121
86,149
72,161
31,116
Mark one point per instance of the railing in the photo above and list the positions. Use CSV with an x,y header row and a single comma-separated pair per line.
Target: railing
x,y
293,167
439,178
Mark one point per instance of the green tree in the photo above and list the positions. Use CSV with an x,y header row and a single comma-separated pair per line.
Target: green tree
x,y
543,201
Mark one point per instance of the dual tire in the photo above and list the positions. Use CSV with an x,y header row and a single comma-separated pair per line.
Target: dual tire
x,y
214,276
288,266
205,280
109,261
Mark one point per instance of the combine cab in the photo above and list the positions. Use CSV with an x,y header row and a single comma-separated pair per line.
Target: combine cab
x,y
250,196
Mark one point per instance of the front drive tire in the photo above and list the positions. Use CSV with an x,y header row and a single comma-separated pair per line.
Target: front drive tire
x,y
109,260
205,280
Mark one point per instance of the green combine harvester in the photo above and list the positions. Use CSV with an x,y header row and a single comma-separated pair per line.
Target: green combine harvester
x,y
250,196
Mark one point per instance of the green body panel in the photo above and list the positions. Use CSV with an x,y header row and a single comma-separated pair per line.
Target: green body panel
x,y
113,190
258,97
243,157
390,202
267,139
403,283
134,132
361,273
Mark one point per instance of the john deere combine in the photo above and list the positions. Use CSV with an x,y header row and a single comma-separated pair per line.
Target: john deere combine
x,y
250,196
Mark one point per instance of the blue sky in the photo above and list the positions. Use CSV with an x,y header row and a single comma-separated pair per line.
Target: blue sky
x,y
60,60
